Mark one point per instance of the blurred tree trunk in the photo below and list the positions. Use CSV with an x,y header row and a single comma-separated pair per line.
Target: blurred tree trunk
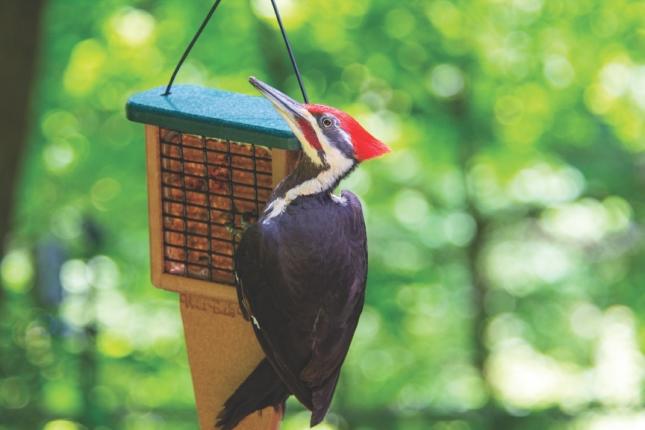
x,y
19,43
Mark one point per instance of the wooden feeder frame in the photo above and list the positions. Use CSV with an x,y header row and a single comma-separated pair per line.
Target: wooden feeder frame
x,y
196,128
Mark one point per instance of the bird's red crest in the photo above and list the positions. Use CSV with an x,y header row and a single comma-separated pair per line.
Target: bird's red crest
x,y
365,145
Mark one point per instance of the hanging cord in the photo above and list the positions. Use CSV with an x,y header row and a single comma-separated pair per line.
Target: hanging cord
x,y
190,46
290,51
292,57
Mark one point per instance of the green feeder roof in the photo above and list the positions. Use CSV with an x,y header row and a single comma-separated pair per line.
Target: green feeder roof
x,y
213,113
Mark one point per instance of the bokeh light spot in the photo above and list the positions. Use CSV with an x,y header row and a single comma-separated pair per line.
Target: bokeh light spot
x,y
17,270
103,191
113,345
399,23
62,425
411,208
134,26
446,81
558,71
61,397
459,228
85,67
58,156
75,276
14,392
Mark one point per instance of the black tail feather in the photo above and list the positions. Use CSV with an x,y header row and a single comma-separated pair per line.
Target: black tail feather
x,y
322,401
262,388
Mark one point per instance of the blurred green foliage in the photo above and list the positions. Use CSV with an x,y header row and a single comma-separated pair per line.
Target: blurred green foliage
x,y
506,247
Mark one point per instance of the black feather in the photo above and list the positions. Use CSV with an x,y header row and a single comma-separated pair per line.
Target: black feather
x,y
261,389
302,278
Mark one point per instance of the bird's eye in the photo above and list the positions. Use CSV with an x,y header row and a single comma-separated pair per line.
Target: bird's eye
x,y
327,122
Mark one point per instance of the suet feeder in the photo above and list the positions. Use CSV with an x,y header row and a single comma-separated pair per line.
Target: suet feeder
x,y
213,158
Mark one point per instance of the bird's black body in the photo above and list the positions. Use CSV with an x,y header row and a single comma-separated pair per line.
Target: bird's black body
x,y
302,278
302,269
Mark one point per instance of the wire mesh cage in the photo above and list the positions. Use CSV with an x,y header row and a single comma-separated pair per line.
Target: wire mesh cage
x,y
212,189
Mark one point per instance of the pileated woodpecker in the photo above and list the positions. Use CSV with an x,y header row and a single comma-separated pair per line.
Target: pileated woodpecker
x,y
302,268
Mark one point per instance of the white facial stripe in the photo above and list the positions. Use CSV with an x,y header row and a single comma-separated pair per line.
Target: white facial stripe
x,y
347,137
323,181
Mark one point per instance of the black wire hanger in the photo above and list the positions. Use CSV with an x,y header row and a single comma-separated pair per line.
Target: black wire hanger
x,y
201,29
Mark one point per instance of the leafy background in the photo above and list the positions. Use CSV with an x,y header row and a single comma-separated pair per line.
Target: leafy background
x,y
506,243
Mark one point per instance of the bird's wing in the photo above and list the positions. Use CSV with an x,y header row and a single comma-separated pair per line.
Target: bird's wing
x,y
337,321
306,299
255,286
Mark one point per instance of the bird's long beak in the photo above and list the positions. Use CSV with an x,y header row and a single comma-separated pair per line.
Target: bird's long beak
x,y
290,109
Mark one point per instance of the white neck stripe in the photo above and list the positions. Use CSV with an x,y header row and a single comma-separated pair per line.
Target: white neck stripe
x,y
320,183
